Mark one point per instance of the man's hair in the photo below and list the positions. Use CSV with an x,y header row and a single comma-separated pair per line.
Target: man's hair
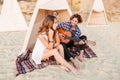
x,y
79,18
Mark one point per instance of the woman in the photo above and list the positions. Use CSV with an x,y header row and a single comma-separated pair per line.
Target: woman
x,y
47,44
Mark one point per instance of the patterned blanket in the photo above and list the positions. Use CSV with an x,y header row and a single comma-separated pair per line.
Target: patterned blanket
x,y
25,64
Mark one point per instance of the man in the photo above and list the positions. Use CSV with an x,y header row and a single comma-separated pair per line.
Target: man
x,y
77,43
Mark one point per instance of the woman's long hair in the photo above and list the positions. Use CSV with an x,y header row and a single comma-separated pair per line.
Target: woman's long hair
x,y
47,23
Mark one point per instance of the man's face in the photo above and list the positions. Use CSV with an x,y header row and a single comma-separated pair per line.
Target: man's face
x,y
74,21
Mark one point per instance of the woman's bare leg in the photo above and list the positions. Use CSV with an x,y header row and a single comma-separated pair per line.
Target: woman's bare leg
x,y
61,50
75,64
59,59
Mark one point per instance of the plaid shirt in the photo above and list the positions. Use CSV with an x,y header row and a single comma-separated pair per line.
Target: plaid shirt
x,y
67,26
88,52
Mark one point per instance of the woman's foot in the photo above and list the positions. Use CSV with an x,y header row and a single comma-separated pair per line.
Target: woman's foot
x,y
71,69
76,65
66,69
74,71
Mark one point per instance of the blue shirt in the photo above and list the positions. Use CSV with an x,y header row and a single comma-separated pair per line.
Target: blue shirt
x,y
67,26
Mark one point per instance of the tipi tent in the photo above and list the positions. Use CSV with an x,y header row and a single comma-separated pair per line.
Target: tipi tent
x,y
43,8
97,16
11,18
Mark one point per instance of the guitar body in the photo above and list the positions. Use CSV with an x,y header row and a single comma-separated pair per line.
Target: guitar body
x,y
63,34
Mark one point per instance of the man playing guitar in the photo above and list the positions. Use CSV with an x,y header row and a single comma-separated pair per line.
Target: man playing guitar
x,y
70,35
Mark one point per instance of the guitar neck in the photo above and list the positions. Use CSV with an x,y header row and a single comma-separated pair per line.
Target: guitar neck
x,y
72,38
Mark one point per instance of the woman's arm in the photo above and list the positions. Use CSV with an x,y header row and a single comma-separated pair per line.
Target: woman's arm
x,y
43,40
50,39
57,39
48,43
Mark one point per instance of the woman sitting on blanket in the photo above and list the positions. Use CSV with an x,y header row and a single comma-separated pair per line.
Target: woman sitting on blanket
x,y
47,44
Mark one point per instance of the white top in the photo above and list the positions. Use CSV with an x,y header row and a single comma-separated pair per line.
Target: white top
x,y
38,51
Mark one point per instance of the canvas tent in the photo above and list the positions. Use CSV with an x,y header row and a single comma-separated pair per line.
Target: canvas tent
x,y
97,16
11,18
43,8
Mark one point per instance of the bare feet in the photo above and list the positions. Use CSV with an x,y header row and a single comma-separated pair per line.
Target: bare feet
x,y
76,68
76,65
66,69
74,71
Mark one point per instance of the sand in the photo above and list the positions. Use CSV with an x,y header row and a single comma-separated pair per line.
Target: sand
x,y
105,67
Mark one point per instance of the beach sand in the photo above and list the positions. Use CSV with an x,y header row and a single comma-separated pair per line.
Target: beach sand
x,y
105,67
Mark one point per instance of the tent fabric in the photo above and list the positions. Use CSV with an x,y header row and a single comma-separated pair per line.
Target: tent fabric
x,y
54,6
11,18
98,6
97,16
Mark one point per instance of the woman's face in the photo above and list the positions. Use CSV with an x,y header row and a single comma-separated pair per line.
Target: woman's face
x,y
55,24
74,21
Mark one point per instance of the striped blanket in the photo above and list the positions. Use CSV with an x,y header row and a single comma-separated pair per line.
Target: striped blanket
x,y
88,52
25,64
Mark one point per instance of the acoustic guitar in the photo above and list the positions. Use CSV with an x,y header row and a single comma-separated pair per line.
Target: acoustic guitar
x,y
66,37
